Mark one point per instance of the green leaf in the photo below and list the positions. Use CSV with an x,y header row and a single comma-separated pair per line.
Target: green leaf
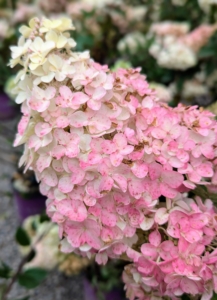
x,y
185,297
31,278
203,193
105,272
5,270
84,41
206,52
44,218
8,194
22,237
214,297
31,255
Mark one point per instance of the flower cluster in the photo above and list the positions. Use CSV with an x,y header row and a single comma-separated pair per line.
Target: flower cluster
x,y
176,48
108,153
114,30
177,258
192,88
206,5
132,42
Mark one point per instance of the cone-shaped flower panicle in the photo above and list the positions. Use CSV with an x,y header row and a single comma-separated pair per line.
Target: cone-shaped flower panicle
x,y
114,163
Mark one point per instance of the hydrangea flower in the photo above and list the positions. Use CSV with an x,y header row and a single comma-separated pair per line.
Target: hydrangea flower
x,y
174,47
115,163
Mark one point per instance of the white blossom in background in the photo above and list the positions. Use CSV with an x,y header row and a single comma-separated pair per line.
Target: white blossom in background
x,y
206,4
179,2
176,48
212,79
191,89
135,13
194,88
4,29
100,3
172,54
170,28
163,93
132,42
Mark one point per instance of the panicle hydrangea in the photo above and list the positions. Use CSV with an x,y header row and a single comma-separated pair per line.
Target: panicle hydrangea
x,y
197,38
170,28
175,47
172,54
114,162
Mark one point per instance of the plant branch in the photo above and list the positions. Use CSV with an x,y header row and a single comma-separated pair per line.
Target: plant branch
x,y
17,273
23,262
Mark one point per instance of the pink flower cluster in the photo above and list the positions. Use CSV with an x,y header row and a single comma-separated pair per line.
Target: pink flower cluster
x,y
114,162
195,39
106,153
180,258
199,37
